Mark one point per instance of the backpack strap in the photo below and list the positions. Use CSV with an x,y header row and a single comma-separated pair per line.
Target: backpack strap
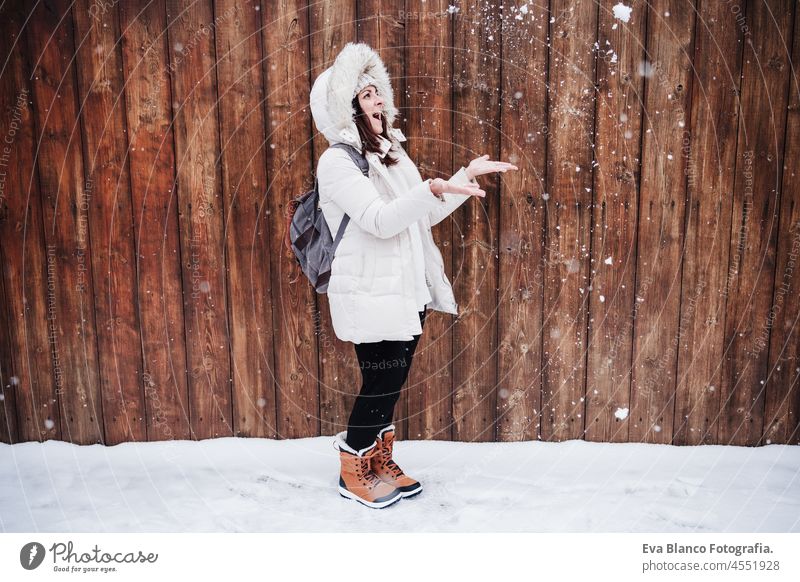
x,y
363,165
355,155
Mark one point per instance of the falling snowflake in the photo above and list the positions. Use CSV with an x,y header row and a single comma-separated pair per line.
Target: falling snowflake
x,y
646,70
622,12
621,413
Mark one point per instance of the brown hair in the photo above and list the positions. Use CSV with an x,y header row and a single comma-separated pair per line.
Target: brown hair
x,y
369,139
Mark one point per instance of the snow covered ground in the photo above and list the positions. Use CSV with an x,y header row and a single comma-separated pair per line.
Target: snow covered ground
x,y
259,485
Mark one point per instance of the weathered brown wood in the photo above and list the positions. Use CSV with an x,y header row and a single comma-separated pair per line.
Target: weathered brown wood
x,y
12,102
244,181
381,25
31,398
162,233
782,390
618,127
709,142
568,217
201,206
67,200
754,227
428,125
148,104
521,223
9,431
104,139
658,323
476,113
331,27
287,63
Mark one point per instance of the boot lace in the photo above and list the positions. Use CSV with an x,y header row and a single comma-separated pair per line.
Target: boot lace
x,y
365,473
388,463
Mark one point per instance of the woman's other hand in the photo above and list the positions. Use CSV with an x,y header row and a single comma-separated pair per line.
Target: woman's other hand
x,y
483,165
439,187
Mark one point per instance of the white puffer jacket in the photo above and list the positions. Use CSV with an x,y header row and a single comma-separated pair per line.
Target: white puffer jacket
x,y
371,291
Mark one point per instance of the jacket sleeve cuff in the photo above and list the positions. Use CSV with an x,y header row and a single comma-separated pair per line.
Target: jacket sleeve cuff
x,y
451,201
461,178
423,193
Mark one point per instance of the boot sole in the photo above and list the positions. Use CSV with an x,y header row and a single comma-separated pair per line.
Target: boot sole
x,y
412,493
374,504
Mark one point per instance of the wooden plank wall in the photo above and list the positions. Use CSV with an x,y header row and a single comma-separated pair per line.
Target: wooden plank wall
x,y
429,129
660,229
30,389
151,158
636,280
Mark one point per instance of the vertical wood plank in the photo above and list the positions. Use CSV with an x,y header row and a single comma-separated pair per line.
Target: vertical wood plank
x,y
660,227
521,223
201,204
13,103
9,429
568,217
476,105
382,26
148,105
709,142
287,65
755,221
102,103
68,201
331,26
244,182
428,86
782,404
29,384
618,129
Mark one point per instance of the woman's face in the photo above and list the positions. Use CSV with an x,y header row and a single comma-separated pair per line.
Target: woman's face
x,y
372,105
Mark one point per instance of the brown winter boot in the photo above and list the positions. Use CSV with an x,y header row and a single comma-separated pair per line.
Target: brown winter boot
x,y
357,481
390,472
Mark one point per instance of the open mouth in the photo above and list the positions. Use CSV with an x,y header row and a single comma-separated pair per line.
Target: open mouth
x,y
377,115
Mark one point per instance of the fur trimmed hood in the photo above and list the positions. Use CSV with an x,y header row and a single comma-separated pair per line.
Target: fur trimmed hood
x,y
332,94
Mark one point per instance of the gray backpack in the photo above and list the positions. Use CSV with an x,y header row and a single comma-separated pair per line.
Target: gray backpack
x,y
307,233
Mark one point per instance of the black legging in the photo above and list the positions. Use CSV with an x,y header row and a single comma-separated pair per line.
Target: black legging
x,y
384,369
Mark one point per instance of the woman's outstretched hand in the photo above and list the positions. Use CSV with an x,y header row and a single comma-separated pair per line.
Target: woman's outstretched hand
x,y
483,165
439,187
477,167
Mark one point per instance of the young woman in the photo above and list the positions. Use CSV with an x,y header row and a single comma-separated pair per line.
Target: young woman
x,y
387,269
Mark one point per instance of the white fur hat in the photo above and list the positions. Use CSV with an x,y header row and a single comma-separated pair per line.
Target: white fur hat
x,y
333,91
